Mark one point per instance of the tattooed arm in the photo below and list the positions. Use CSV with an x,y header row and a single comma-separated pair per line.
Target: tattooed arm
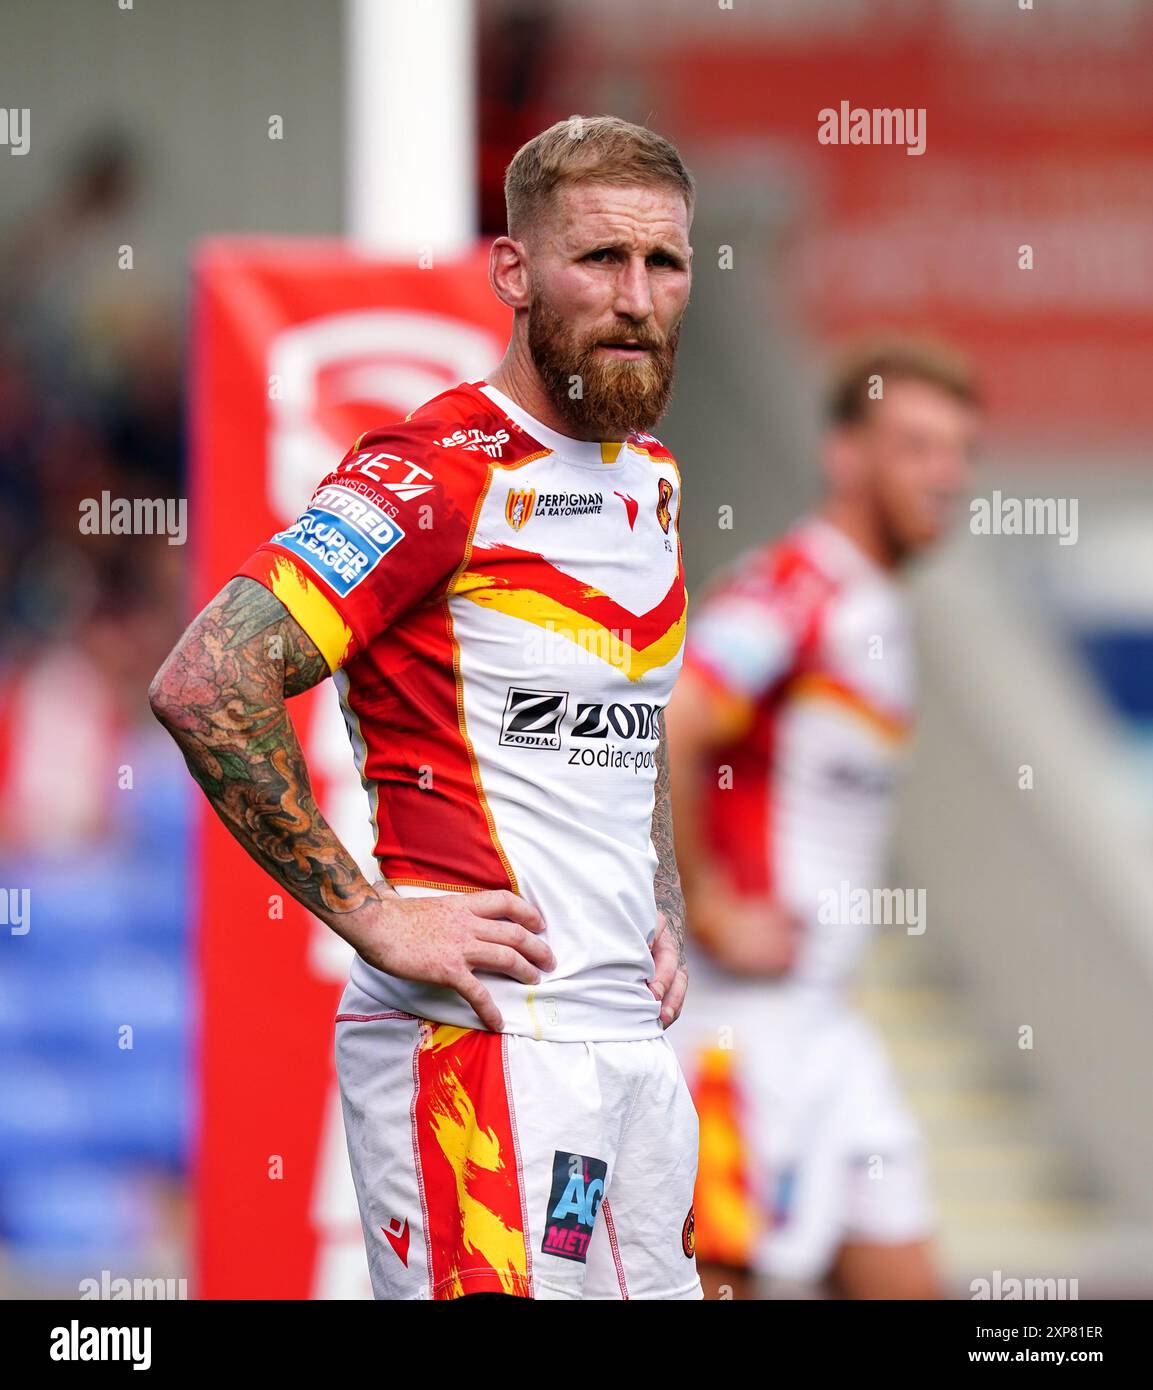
x,y
671,979
222,694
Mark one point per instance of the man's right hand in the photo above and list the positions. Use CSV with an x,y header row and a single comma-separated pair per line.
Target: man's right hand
x,y
443,939
752,936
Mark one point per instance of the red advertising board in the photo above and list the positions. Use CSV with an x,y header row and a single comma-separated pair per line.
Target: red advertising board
x,y
1019,228
298,347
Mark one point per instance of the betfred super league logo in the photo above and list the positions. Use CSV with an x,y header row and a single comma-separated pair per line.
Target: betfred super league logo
x,y
578,1188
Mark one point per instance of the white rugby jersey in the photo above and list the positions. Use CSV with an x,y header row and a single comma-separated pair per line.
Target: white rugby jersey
x,y
806,647
503,608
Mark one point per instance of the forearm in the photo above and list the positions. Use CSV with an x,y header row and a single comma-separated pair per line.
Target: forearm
x,y
667,884
693,852
693,758
268,806
222,695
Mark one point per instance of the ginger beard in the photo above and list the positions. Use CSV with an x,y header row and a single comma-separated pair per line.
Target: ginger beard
x,y
600,396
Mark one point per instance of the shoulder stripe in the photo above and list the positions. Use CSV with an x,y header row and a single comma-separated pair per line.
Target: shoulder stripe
x,y
308,605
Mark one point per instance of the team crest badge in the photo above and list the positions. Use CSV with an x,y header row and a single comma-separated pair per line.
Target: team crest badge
x,y
689,1234
664,496
518,508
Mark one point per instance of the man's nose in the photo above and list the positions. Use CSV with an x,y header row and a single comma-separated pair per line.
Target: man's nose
x,y
633,298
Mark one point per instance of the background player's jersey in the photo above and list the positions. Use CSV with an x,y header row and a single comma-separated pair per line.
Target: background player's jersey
x,y
504,608
805,645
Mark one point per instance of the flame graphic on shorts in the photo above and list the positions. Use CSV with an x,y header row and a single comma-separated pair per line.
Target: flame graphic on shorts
x,y
468,1165
727,1223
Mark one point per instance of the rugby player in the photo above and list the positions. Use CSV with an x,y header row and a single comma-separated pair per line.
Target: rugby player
x,y
495,586
786,736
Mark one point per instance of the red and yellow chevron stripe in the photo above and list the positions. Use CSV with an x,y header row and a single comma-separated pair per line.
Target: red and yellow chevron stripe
x,y
814,685
525,585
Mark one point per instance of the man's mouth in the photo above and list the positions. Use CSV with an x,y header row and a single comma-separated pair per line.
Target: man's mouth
x,y
627,349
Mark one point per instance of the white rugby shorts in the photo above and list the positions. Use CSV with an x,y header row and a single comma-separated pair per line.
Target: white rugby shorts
x,y
497,1163
806,1142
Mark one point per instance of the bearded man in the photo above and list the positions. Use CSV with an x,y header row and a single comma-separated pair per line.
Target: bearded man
x,y
495,585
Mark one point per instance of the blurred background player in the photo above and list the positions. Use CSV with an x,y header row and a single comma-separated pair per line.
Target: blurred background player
x,y
786,732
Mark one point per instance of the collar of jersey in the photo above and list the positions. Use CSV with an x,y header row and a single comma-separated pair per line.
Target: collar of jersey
x,y
843,553
583,452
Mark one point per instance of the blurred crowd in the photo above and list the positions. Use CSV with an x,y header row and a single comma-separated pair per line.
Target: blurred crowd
x,y
93,805
95,1133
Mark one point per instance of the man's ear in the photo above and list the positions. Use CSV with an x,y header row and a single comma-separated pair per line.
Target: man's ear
x,y
508,272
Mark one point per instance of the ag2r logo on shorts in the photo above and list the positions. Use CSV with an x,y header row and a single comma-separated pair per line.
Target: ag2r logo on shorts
x,y
578,1188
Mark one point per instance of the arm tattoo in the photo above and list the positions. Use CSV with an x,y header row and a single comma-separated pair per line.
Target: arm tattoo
x,y
669,897
221,694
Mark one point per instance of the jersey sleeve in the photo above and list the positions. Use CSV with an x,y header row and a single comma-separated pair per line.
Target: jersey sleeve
x,y
748,636
382,533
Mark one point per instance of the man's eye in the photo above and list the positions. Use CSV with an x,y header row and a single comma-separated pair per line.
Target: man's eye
x,y
603,254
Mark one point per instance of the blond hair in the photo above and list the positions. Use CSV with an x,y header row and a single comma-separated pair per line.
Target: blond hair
x,y
604,149
923,360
